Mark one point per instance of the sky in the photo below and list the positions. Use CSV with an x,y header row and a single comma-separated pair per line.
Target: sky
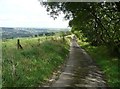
x,y
27,13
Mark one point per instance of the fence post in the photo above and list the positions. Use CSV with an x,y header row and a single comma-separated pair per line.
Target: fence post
x,y
19,45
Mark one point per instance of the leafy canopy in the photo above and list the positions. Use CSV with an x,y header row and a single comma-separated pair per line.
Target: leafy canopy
x,y
99,22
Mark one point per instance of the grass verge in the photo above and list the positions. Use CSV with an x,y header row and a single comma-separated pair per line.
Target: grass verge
x,y
107,63
31,66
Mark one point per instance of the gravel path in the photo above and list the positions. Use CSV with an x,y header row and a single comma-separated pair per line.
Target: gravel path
x,y
80,71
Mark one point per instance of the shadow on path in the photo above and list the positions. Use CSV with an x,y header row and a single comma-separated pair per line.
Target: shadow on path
x,y
80,70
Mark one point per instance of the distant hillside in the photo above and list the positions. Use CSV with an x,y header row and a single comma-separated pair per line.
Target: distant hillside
x,y
8,32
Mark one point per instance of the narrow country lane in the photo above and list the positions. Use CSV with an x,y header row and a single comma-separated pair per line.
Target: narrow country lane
x,y
80,70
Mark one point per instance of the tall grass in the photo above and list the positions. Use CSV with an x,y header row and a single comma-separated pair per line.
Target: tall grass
x,y
31,66
107,63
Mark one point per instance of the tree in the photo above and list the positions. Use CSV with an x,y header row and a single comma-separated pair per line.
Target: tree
x,y
99,22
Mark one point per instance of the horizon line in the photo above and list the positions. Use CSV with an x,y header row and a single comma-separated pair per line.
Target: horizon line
x,y
31,27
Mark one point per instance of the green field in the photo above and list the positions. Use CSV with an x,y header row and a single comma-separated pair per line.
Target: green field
x,y
107,63
35,63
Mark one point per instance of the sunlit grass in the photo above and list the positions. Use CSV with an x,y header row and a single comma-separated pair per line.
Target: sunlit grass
x,y
106,62
32,65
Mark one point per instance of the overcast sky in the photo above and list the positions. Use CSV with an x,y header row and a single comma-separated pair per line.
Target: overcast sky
x,y
27,13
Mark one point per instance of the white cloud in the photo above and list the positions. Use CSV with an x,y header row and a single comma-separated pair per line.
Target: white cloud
x,y
29,13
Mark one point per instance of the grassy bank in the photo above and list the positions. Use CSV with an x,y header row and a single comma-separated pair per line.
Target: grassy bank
x,y
107,63
32,65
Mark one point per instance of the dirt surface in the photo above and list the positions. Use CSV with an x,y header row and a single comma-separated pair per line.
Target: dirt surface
x,y
80,70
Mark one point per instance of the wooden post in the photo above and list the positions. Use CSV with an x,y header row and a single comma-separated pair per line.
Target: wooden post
x,y
19,45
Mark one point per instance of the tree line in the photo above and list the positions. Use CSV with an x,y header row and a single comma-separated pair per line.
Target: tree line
x,y
99,22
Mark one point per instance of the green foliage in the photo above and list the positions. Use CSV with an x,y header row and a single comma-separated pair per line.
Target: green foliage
x,y
34,64
106,62
99,22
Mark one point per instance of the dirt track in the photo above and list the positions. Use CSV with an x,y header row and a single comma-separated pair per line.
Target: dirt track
x,y
80,70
